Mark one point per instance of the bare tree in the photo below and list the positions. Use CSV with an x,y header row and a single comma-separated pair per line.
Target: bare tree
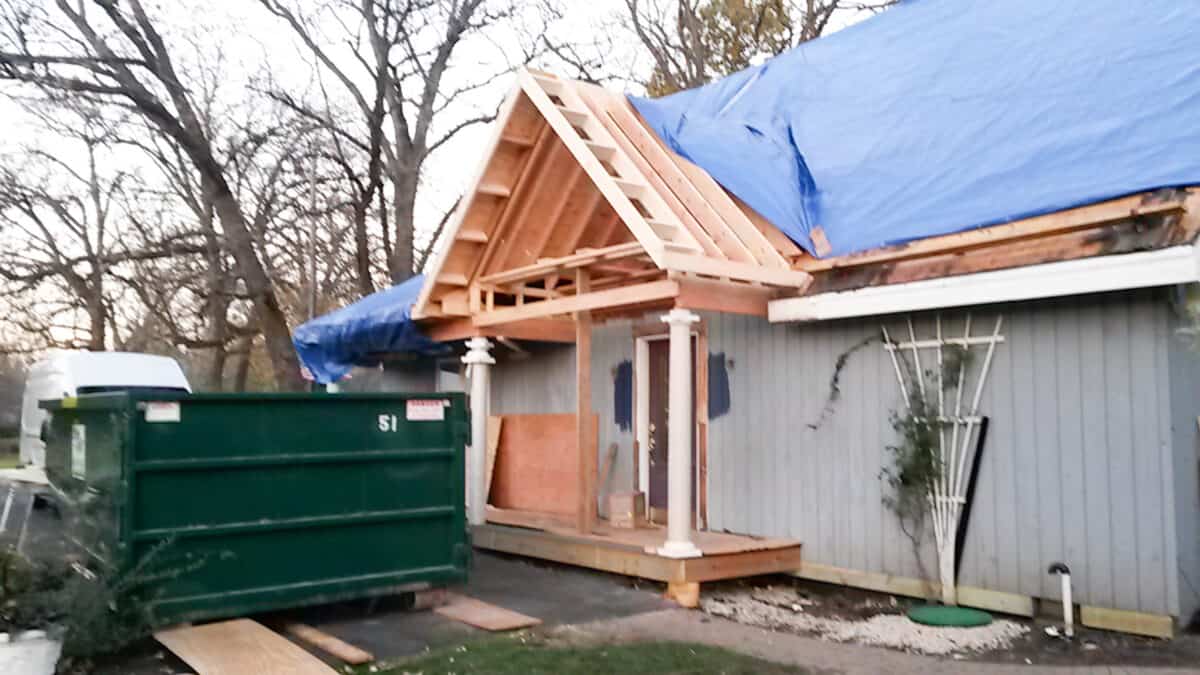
x,y
60,216
693,41
112,53
396,75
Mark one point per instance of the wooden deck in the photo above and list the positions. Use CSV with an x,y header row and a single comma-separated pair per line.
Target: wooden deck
x,y
633,552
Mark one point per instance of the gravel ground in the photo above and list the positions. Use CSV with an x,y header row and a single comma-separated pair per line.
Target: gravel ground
x,y
784,609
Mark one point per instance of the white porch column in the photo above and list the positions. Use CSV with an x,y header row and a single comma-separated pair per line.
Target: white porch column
x,y
680,423
479,365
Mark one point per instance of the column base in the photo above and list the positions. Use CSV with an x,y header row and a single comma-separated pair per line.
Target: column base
x,y
679,549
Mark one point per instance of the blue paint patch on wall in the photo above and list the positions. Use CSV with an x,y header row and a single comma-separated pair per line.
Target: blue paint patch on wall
x,y
623,395
718,386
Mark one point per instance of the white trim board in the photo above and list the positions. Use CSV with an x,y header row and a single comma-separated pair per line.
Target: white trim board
x,y
1175,265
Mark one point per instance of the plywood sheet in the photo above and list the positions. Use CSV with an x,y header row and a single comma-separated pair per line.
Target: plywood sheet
x,y
536,465
484,615
239,647
329,644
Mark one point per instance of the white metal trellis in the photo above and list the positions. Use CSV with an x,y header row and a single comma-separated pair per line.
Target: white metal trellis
x,y
949,490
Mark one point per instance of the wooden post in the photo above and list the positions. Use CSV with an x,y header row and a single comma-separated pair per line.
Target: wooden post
x,y
585,511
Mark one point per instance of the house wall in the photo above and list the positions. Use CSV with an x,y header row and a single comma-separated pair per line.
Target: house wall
x,y
1184,371
544,382
1092,435
1078,463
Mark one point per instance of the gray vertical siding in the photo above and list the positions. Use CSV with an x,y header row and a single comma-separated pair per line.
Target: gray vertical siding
x,y
1184,368
1092,404
544,382
1080,462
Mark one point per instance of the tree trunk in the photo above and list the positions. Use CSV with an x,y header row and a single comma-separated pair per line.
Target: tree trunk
x,y
362,250
97,322
243,367
271,317
404,194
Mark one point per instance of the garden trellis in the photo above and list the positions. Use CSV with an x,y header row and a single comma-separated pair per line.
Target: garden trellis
x,y
957,426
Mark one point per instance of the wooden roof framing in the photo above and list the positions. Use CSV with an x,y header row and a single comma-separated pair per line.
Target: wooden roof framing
x,y
576,196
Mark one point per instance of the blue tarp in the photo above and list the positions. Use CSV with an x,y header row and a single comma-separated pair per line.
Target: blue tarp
x,y
939,116
381,323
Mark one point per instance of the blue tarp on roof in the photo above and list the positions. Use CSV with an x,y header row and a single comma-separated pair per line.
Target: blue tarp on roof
x,y
939,116
331,344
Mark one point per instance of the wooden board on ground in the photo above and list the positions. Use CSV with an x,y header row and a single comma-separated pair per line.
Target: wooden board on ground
x,y
239,647
484,615
329,644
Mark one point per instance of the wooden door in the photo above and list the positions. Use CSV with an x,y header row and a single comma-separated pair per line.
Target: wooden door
x,y
659,397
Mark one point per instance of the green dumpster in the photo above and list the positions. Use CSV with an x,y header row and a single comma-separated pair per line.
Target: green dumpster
x,y
266,501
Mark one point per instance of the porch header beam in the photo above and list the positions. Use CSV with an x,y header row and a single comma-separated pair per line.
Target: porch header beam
x,y
616,297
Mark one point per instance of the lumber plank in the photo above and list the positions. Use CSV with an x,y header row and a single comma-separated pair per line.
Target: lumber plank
x,y
616,297
516,209
1143,204
585,449
484,615
336,647
239,647
460,328
702,195
595,170
508,121
1125,236
541,268
1124,621
715,244
715,296
685,262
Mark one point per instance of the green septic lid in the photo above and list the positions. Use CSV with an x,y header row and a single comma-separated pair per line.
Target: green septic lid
x,y
940,615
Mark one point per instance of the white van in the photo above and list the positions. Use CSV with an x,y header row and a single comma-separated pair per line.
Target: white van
x,y
71,373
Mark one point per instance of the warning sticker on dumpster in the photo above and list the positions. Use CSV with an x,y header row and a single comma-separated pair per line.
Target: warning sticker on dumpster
x,y
162,411
425,411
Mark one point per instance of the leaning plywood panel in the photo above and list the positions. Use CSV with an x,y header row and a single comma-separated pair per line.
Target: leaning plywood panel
x,y
536,468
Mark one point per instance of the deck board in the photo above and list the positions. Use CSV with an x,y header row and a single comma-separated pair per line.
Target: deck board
x,y
633,552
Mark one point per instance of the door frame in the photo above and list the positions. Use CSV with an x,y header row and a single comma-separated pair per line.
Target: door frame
x,y
643,335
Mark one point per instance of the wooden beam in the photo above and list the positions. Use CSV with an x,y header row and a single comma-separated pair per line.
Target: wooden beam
x,y
585,513
711,267
721,247
716,296
616,297
1131,235
461,328
698,192
582,258
1143,204
517,207
507,120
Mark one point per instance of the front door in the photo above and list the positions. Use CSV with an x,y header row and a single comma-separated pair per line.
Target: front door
x,y
659,396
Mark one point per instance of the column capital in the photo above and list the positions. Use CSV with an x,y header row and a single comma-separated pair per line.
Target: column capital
x,y
680,316
477,352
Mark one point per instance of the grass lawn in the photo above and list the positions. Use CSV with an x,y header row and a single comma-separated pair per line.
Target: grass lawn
x,y
511,656
9,461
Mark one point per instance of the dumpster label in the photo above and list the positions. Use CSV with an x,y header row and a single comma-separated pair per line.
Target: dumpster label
x,y
79,451
162,411
425,411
